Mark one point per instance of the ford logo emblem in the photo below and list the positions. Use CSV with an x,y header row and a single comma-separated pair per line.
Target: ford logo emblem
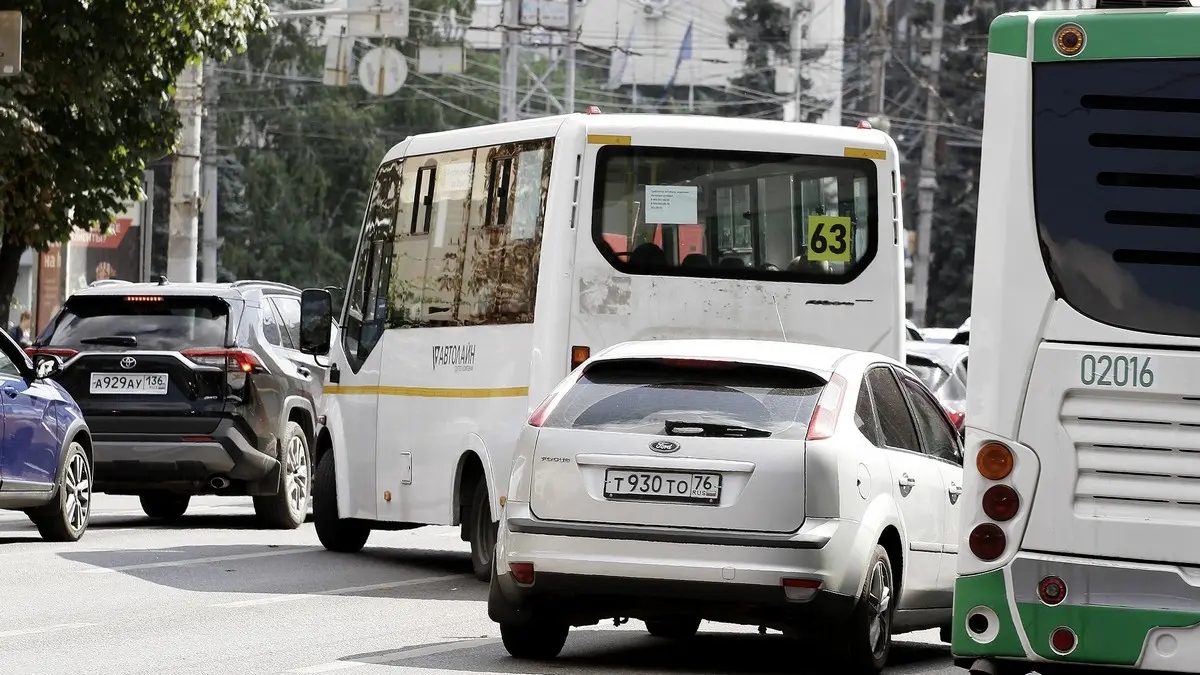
x,y
128,363
664,446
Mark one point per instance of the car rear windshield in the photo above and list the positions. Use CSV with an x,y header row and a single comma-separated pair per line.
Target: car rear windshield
x,y
684,397
168,323
735,215
1116,145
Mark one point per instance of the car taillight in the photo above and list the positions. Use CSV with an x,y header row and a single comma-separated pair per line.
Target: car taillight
x,y
956,418
987,541
824,417
233,360
538,417
63,354
1001,503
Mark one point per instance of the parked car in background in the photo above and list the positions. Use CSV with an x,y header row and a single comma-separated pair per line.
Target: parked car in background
x,y
913,333
963,335
193,389
804,488
943,368
938,334
45,447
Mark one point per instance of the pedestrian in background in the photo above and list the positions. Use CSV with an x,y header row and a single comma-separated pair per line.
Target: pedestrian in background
x,y
22,333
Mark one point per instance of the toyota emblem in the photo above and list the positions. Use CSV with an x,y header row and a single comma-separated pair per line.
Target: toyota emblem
x,y
128,363
664,446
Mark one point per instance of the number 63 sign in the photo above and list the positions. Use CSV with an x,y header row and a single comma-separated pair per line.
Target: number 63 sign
x,y
829,239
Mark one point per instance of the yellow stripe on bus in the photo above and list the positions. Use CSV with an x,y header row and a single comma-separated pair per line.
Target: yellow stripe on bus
x,y
866,153
601,139
430,392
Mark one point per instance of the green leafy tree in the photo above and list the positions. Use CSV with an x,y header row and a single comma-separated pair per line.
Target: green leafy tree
x,y
93,106
764,29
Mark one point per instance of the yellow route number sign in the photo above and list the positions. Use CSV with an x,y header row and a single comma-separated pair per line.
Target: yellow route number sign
x,y
829,239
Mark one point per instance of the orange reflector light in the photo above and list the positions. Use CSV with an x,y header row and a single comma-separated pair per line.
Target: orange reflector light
x,y
1069,39
522,572
994,461
579,354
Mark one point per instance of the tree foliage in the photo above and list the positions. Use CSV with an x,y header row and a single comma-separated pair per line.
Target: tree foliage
x,y
764,29
93,105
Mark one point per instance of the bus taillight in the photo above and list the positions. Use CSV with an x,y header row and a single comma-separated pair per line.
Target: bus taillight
x,y
988,541
1052,590
1001,503
994,461
579,354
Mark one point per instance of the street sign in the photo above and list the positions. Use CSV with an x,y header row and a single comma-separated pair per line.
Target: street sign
x,y
10,43
377,18
445,60
337,61
382,71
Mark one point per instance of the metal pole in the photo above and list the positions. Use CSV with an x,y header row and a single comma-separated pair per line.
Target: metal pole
x,y
511,68
147,232
185,177
797,60
208,243
927,187
569,94
879,50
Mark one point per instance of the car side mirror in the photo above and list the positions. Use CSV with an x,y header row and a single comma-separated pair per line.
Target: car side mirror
x,y
316,321
46,366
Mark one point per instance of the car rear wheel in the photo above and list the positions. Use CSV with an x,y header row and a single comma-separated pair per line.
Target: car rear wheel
x,y
336,534
869,638
674,628
287,509
483,532
164,505
66,518
535,637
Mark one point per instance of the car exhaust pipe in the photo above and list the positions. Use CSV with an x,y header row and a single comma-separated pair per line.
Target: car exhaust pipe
x,y
218,482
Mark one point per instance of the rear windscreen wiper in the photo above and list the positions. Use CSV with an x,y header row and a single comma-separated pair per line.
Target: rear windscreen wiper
x,y
112,340
676,428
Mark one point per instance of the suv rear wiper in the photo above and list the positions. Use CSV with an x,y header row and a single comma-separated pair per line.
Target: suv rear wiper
x,y
113,340
676,428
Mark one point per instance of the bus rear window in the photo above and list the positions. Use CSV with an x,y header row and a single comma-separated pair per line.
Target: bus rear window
x,y
710,213
1116,193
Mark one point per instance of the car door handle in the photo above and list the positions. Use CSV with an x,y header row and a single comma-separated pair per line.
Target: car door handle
x,y
907,480
10,392
955,489
304,372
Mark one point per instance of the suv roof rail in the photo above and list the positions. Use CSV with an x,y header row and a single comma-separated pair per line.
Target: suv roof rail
x,y
257,282
107,282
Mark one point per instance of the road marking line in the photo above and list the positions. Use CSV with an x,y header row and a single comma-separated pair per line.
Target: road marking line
x,y
198,561
327,667
46,629
269,600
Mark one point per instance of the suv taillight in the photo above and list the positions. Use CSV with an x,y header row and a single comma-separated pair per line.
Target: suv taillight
x,y
237,362
63,354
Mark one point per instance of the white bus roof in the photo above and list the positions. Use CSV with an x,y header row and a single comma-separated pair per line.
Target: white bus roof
x,y
733,131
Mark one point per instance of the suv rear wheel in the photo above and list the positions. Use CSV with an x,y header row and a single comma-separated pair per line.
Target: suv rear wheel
x,y
66,518
534,637
336,534
164,504
287,509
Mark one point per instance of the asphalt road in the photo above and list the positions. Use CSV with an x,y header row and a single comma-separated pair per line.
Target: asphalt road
x,y
213,594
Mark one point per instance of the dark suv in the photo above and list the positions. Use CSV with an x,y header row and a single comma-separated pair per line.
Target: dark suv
x,y
192,389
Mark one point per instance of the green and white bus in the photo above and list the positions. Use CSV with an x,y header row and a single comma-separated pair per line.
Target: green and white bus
x,y
1081,502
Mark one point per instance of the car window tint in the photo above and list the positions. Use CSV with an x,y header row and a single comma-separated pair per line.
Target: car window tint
x,y
158,323
895,421
270,324
939,438
289,315
864,415
644,395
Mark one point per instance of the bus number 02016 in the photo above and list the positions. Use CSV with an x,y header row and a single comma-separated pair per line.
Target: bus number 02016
x,y
1104,370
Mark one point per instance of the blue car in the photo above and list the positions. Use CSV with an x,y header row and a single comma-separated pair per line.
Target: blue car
x,y
45,446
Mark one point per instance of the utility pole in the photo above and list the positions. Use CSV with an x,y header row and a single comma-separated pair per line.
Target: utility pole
x,y
185,176
209,241
510,68
927,187
569,94
797,60
880,36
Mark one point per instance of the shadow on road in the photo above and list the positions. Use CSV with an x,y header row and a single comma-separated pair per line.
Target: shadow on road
x,y
382,572
629,650
238,521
